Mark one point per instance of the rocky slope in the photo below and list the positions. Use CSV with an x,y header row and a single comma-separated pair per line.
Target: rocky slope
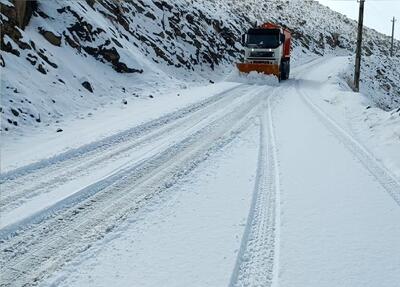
x,y
65,58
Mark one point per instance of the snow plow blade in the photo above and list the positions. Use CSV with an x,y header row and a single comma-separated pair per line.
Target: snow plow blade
x,y
267,69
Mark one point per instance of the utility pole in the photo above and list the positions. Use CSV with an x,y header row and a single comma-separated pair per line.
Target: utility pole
x,y
392,46
359,44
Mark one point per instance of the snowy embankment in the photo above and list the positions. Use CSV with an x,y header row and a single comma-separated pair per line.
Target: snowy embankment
x,y
340,204
378,130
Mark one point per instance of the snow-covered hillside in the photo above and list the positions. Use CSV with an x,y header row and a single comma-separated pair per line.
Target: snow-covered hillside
x,y
78,56
101,51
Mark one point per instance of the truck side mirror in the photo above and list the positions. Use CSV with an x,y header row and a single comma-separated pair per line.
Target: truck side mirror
x,y
244,39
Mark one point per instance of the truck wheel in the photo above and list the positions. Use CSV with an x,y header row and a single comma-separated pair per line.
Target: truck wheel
x,y
285,69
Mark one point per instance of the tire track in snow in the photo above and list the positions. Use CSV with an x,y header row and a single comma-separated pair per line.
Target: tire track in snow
x,y
44,180
34,254
114,139
387,180
134,167
258,258
194,122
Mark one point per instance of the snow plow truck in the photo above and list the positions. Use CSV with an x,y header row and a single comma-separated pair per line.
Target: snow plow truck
x,y
267,51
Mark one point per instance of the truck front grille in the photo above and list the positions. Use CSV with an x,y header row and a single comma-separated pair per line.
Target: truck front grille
x,y
261,54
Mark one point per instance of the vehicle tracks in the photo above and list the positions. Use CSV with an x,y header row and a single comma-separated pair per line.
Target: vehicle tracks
x,y
388,181
34,252
118,138
258,257
19,189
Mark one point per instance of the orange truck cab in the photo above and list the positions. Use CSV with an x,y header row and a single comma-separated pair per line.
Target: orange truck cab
x,y
267,50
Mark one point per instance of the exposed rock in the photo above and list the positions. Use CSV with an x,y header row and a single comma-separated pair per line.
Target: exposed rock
x,y
51,37
90,2
151,16
333,40
87,86
163,5
2,63
24,10
111,55
41,69
15,19
15,112
46,59
123,68
117,43
71,42
32,59
8,48
190,18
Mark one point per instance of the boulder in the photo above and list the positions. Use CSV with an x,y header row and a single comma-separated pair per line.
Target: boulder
x,y
87,86
51,37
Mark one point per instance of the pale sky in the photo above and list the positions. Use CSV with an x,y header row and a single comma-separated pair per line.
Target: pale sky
x,y
378,13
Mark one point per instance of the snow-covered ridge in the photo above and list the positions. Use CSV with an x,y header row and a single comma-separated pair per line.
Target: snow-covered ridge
x,y
76,56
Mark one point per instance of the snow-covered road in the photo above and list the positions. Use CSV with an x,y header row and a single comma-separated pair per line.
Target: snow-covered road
x,y
340,224
252,185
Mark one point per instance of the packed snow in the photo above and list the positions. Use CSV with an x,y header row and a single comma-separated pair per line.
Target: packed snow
x,y
176,240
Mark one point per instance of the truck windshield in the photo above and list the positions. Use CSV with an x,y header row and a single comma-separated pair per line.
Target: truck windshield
x,y
263,39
